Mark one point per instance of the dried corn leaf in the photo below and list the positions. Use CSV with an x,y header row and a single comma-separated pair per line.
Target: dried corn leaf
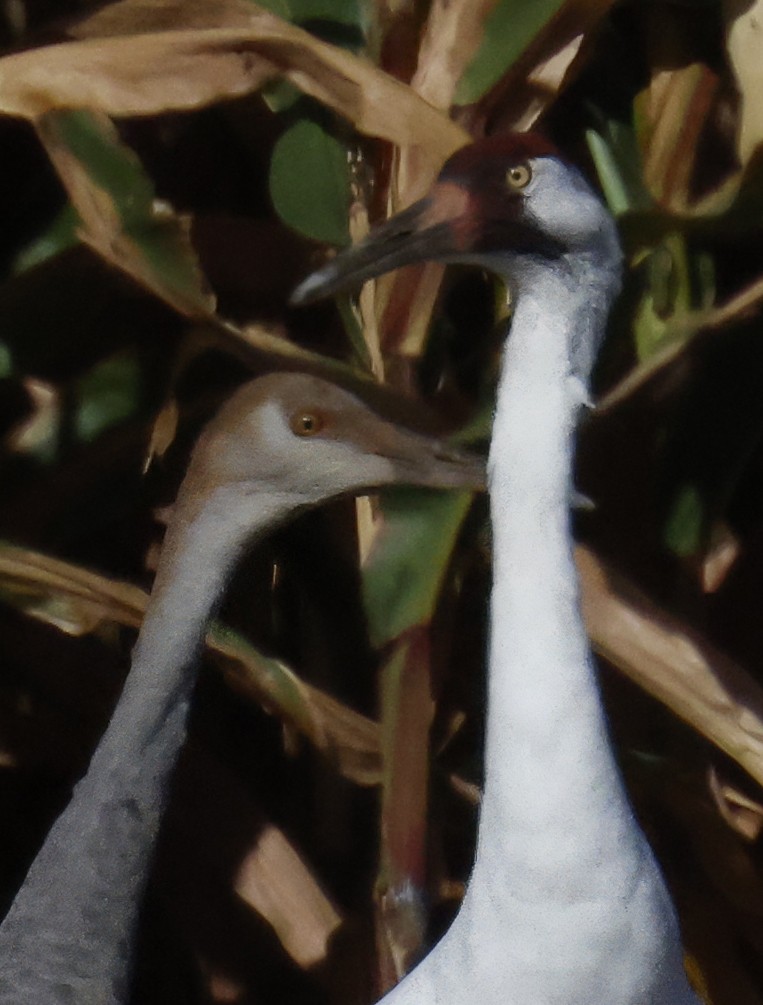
x,y
210,55
743,814
671,113
544,53
363,316
669,661
744,41
77,601
551,53
163,432
407,714
121,219
691,677
723,914
136,17
258,344
406,299
190,67
722,554
275,881
544,82
737,308
452,36
36,434
510,27
347,738
401,596
241,850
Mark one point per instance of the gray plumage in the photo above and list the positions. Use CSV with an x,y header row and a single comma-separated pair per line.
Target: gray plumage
x,y
283,443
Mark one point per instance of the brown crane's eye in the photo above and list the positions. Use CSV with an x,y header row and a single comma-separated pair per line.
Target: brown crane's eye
x,y
306,422
518,177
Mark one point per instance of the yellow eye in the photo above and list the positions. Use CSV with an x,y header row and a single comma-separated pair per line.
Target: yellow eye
x,y
306,423
519,176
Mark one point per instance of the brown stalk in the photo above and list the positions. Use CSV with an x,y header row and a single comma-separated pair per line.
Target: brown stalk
x,y
348,739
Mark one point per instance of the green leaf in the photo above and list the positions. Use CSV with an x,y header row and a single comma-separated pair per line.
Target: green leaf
x,y
668,295
340,22
617,158
121,217
280,7
686,522
354,331
58,236
6,361
480,426
281,95
509,29
310,183
704,279
111,166
297,11
399,589
109,393
342,11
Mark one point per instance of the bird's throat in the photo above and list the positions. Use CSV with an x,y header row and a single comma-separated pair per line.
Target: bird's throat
x,y
551,778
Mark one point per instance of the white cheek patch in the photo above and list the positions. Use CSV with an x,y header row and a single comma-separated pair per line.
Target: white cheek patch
x,y
264,447
273,427
318,465
559,201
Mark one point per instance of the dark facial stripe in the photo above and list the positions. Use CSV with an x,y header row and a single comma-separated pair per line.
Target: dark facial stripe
x,y
518,237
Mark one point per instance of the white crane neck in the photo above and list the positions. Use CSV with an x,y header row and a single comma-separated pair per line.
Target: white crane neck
x,y
566,904
551,774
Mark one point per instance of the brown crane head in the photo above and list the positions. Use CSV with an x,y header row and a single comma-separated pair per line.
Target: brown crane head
x,y
300,437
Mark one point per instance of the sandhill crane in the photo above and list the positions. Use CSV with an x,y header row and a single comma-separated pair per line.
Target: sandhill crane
x,y
282,443
566,904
